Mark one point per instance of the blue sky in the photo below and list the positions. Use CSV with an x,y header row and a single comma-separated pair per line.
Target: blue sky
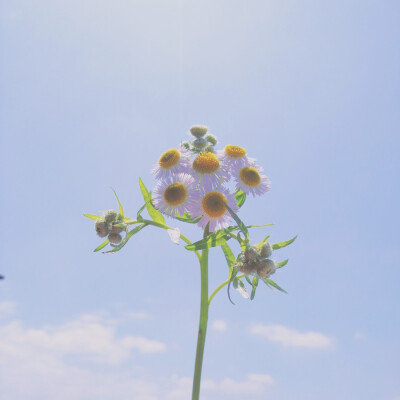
x,y
93,92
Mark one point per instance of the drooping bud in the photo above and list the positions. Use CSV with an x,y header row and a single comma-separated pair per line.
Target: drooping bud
x,y
102,228
116,229
250,254
115,238
265,268
198,130
110,215
265,250
200,143
211,139
244,267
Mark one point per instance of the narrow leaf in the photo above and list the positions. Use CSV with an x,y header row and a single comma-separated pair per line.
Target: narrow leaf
x,y
254,285
281,264
241,225
102,245
270,282
209,241
93,217
126,238
259,226
187,218
154,214
240,197
279,245
121,210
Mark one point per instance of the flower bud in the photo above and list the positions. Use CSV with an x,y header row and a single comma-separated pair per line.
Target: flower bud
x,y
246,268
265,250
250,254
209,149
200,143
102,228
116,229
110,215
265,268
198,130
211,139
114,238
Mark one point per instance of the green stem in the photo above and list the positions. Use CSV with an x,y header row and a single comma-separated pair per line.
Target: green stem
x,y
201,337
220,287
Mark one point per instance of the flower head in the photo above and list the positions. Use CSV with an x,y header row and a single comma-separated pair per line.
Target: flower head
x,y
212,208
234,156
172,162
207,168
249,179
175,195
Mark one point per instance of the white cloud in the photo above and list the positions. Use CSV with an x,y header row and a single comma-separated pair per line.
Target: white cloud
x,y
219,325
292,338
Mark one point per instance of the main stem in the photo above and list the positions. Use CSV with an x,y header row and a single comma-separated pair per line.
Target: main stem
x,y
201,337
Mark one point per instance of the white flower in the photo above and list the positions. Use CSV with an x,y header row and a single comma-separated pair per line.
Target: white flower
x,y
175,195
171,163
234,156
249,179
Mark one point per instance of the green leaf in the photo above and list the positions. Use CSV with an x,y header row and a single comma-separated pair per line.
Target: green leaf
x,y
263,241
186,217
270,282
121,210
281,264
93,217
259,226
126,238
248,279
241,225
254,285
102,245
240,197
212,240
279,245
139,217
154,214
229,257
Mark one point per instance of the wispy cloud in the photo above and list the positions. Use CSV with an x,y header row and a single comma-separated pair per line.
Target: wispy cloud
x,y
219,325
291,338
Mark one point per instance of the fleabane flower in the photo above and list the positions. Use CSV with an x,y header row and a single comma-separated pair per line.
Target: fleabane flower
x,y
171,163
234,156
175,195
212,208
249,179
207,168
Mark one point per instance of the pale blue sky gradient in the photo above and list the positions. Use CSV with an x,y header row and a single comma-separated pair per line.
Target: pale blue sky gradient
x,y
94,91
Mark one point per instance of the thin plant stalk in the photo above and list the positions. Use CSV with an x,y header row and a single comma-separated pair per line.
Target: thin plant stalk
x,y
201,337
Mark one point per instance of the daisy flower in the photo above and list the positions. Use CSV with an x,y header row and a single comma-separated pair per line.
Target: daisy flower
x,y
207,168
212,208
234,156
249,179
175,195
171,163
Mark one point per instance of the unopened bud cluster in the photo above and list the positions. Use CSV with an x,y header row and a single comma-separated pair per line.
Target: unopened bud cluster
x,y
108,226
203,141
255,261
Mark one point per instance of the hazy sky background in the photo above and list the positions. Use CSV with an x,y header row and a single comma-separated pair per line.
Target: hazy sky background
x,y
94,91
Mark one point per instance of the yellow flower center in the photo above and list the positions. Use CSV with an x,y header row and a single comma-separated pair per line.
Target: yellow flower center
x,y
169,159
234,151
206,163
175,194
250,176
214,204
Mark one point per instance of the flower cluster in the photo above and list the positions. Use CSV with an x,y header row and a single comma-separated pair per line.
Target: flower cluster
x,y
255,261
110,225
193,179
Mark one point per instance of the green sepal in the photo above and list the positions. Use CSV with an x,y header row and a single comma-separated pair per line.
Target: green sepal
x,y
186,217
269,282
155,215
240,223
281,264
254,285
93,217
126,238
121,210
102,245
279,245
240,197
